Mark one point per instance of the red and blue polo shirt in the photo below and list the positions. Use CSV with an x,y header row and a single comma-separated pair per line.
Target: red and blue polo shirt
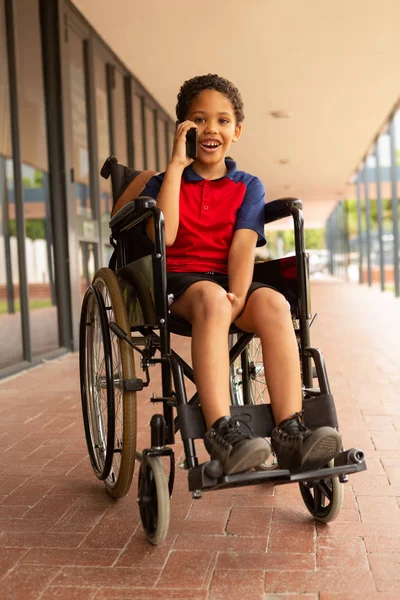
x,y
209,214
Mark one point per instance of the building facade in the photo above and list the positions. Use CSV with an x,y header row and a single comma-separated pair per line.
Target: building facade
x,y
66,103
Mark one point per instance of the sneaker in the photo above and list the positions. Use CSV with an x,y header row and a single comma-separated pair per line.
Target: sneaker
x,y
298,448
235,450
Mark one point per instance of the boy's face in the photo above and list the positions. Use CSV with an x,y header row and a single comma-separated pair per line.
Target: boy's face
x,y
215,118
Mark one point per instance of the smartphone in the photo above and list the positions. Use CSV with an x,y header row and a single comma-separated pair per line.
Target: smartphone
x,y
191,142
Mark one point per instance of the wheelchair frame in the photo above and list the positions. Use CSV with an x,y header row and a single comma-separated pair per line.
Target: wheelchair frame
x,y
150,269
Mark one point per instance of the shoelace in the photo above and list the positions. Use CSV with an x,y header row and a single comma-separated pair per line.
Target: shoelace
x,y
232,433
295,427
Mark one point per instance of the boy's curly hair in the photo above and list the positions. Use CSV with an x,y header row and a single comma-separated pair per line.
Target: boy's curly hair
x,y
192,87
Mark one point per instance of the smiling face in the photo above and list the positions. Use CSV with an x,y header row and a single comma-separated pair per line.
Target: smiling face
x,y
215,118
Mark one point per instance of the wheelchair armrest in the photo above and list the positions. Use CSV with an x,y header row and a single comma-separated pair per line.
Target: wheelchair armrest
x,y
281,208
133,208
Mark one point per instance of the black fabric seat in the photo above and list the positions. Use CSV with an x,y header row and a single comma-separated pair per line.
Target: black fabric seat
x,y
180,326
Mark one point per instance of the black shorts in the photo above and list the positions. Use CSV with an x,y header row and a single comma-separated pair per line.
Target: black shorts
x,y
177,283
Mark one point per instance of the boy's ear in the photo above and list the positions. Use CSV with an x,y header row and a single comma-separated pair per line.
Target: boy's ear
x,y
238,131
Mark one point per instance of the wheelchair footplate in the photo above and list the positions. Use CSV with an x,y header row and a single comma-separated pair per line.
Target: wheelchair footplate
x,y
208,476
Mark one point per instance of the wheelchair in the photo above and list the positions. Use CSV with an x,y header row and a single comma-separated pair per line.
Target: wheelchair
x,y
125,329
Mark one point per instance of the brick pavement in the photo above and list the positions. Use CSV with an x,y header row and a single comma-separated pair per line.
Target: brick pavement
x,y
62,538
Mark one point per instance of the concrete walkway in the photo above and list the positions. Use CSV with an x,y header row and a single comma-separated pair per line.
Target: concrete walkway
x,y
62,537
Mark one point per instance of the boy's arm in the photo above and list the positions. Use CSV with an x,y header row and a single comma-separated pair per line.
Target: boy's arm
x,y
168,197
240,268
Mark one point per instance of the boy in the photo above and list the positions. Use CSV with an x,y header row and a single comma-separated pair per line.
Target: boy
x,y
214,218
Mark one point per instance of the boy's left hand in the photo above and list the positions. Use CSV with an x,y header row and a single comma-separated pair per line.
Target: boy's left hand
x,y
237,305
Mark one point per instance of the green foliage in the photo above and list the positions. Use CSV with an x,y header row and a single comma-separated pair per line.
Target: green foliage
x,y
352,218
315,239
35,229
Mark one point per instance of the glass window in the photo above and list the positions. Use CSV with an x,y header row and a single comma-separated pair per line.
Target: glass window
x,y
162,145
79,125
88,266
103,136
150,139
138,133
119,118
10,319
35,179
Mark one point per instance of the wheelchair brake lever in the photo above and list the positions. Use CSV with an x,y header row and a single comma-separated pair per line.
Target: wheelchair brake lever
x,y
120,333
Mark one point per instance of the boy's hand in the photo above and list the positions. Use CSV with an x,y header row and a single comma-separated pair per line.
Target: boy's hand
x,y
237,305
179,155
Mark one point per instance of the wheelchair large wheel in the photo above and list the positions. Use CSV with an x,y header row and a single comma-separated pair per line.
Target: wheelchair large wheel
x,y
97,392
123,444
323,498
248,386
154,506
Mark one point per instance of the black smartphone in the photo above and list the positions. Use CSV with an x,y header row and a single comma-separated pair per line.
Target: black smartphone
x,y
191,142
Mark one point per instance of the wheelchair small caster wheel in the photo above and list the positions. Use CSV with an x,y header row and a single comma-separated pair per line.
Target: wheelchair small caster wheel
x,y
323,497
154,501
214,469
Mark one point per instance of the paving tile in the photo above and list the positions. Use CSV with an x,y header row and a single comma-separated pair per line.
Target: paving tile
x,y
333,553
41,540
318,581
151,594
384,543
69,593
138,552
292,537
379,508
70,557
25,493
187,569
385,565
291,596
249,521
27,582
97,577
271,561
218,543
237,585
356,596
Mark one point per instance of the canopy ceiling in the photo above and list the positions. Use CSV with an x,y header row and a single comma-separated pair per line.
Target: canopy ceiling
x,y
332,64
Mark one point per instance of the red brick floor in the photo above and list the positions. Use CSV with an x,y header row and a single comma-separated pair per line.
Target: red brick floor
x,y
62,537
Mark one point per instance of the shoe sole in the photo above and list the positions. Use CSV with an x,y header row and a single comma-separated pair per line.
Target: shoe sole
x,y
324,445
249,459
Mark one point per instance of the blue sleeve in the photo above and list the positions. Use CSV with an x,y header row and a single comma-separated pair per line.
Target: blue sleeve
x,y
153,186
251,212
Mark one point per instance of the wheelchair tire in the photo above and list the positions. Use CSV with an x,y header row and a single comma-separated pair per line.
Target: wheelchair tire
x,y
120,476
97,393
155,504
323,498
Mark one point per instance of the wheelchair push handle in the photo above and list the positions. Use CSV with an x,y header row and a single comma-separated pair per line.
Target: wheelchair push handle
x,y
281,208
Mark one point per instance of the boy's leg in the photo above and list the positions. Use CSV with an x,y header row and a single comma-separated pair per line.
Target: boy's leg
x,y
205,305
268,315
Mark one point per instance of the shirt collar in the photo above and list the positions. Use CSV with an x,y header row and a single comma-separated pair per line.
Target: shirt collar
x,y
190,175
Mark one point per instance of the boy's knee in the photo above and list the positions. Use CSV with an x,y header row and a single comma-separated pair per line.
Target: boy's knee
x,y
272,303
210,301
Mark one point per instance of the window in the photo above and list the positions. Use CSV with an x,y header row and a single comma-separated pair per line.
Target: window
x,y
35,180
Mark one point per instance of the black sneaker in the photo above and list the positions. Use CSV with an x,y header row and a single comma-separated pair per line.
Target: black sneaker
x,y
235,450
298,448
